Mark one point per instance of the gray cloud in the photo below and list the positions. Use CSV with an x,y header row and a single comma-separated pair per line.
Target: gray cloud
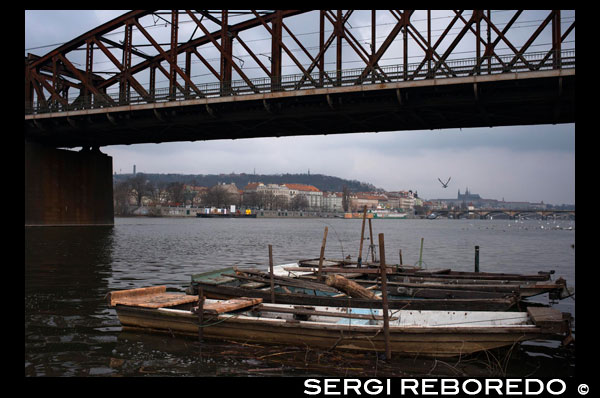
x,y
496,163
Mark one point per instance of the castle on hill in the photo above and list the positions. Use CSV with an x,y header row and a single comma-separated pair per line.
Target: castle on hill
x,y
468,196
472,199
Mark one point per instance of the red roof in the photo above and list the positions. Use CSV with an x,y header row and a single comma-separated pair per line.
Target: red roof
x,y
302,187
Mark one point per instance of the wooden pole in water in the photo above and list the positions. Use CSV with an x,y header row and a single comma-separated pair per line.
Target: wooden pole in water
x,y
372,245
200,314
362,236
399,254
476,258
421,254
386,318
271,273
322,256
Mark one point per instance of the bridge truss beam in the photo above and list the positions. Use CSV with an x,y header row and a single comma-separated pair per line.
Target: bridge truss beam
x,y
48,78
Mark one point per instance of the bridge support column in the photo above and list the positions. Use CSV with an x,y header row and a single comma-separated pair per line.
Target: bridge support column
x,y
67,187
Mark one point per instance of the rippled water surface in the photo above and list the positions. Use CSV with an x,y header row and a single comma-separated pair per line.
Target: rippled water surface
x,y
70,331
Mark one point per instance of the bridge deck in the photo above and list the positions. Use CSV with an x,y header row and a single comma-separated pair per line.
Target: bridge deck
x,y
537,97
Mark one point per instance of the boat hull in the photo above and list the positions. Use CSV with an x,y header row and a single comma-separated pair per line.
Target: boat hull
x,y
422,341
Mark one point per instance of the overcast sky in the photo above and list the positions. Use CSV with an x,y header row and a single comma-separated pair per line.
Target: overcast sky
x,y
521,163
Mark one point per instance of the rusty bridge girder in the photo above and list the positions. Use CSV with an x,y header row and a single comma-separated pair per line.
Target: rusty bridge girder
x,y
414,46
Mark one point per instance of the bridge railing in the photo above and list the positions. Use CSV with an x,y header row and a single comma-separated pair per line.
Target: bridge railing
x,y
380,74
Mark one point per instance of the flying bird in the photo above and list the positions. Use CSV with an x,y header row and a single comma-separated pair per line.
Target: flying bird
x,y
445,185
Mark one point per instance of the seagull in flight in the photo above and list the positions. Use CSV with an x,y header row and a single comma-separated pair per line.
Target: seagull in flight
x,y
445,185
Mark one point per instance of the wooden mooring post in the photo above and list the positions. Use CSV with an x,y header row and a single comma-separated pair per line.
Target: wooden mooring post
x,y
476,258
421,254
362,237
200,314
386,316
322,256
372,245
271,273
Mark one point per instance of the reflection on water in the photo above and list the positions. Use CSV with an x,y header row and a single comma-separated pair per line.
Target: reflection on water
x,y
69,330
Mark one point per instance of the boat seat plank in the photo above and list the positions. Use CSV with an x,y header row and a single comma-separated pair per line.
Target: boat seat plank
x,y
223,306
149,297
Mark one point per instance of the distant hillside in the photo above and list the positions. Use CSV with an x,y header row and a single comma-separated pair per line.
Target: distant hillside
x,y
322,182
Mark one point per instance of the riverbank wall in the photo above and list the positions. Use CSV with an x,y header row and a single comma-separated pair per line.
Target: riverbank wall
x,y
166,211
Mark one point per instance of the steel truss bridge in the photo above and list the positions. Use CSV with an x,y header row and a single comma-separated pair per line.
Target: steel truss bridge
x,y
467,69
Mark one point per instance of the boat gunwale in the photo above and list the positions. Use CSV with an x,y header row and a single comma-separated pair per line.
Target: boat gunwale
x,y
240,318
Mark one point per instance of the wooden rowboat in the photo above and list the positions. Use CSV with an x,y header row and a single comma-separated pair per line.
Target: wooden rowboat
x,y
556,289
425,333
227,283
419,287
399,271
449,284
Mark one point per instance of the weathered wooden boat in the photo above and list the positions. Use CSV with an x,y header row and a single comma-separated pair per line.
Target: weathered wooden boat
x,y
400,271
447,283
461,288
424,333
557,290
233,282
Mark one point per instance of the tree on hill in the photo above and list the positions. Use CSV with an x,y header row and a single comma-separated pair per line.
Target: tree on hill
x,y
176,192
320,181
141,185
218,196
299,202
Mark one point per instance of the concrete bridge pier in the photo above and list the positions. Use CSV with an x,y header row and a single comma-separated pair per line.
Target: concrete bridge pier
x,y
67,188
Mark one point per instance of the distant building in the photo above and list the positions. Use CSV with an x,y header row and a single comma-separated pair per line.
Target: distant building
x,y
193,194
332,201
463,200
401,200
275,189
359,200
312,194
231,189
468,197
289,191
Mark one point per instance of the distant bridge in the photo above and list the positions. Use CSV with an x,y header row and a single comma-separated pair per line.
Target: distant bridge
x,y
485,213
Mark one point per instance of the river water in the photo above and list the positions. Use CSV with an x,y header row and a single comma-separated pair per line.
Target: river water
x,y
70,331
